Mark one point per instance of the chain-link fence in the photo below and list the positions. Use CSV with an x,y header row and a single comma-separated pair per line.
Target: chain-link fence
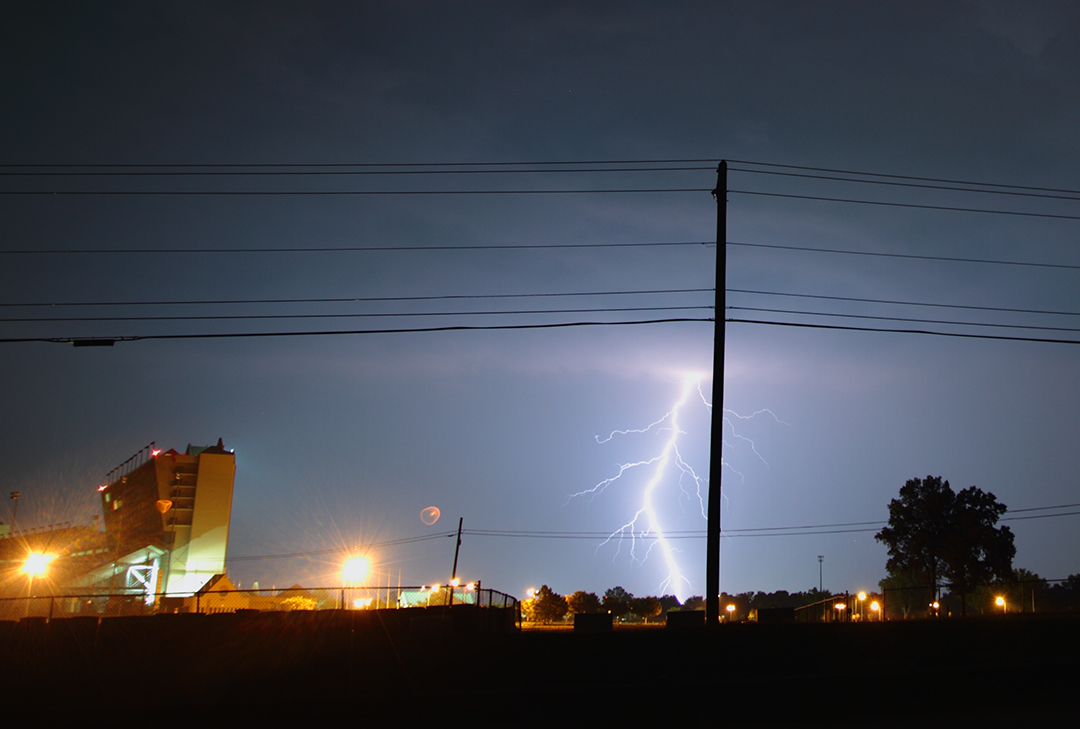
x,y
261,600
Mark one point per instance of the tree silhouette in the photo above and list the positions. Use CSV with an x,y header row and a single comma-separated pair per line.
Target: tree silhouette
x,y
548,605
583,602
936,533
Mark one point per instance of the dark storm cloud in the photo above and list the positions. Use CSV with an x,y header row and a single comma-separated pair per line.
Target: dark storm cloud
x,y
358,434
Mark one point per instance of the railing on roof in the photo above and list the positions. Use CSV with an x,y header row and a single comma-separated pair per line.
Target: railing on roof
x,y
141,457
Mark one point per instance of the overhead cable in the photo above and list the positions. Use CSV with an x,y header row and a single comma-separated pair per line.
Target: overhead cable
x,y
948,208
360,299
109,340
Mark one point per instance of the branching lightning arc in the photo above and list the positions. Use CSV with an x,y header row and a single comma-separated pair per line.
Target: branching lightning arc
x,y
645,522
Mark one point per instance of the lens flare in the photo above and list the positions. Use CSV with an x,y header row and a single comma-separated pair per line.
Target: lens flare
x,y
430,515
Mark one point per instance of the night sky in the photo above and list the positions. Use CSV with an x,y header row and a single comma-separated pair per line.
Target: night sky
x,y
342,440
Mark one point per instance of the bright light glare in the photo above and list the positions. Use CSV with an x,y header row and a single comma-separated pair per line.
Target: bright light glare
x,y
37,564
862,596
355,570
1000,602
362,603
840,606
874,606
730,608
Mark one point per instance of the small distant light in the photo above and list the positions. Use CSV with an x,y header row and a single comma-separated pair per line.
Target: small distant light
x,y
435,587
862,596
730,608
999,601
471,586
935,605
155,453
875,606
840,606
102,487
455,582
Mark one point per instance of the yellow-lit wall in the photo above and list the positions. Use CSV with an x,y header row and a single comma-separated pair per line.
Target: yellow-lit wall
x,y
199,551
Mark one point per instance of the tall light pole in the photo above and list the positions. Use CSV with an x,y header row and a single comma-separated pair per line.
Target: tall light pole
x,y
716,446
15,510
820,559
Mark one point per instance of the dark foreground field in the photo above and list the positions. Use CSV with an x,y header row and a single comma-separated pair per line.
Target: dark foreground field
x,y
319,667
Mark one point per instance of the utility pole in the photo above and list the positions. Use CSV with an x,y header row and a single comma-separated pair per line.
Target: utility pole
x,y
15,510
716,446
820,559
457,549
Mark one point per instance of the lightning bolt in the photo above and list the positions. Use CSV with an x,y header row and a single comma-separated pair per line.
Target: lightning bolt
x,y
645,523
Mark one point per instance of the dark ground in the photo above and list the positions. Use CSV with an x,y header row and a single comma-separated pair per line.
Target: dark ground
x,y
317,667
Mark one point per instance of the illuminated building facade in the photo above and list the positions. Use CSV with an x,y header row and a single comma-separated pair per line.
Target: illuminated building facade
x,y
167,520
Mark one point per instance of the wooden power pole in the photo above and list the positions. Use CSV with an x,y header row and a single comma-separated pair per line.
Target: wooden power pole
x,y
716,458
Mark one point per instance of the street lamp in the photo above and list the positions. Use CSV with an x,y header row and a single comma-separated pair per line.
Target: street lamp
x,y
37,564
875,607
840,608
730,612
862,612
353,571
1000,601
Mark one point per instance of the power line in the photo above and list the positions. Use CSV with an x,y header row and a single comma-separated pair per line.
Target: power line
x,y
904,177
349,193
350,172
353,249
799,530
918,185
904,319
339,550
243,165
960,335
108,341
905,205
912,256
369,315
363,299
904,303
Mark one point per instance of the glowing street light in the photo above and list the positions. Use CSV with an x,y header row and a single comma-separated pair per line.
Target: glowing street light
x,y
1000,601
840,608
37,564
862,611
355,570
730,612
875,606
